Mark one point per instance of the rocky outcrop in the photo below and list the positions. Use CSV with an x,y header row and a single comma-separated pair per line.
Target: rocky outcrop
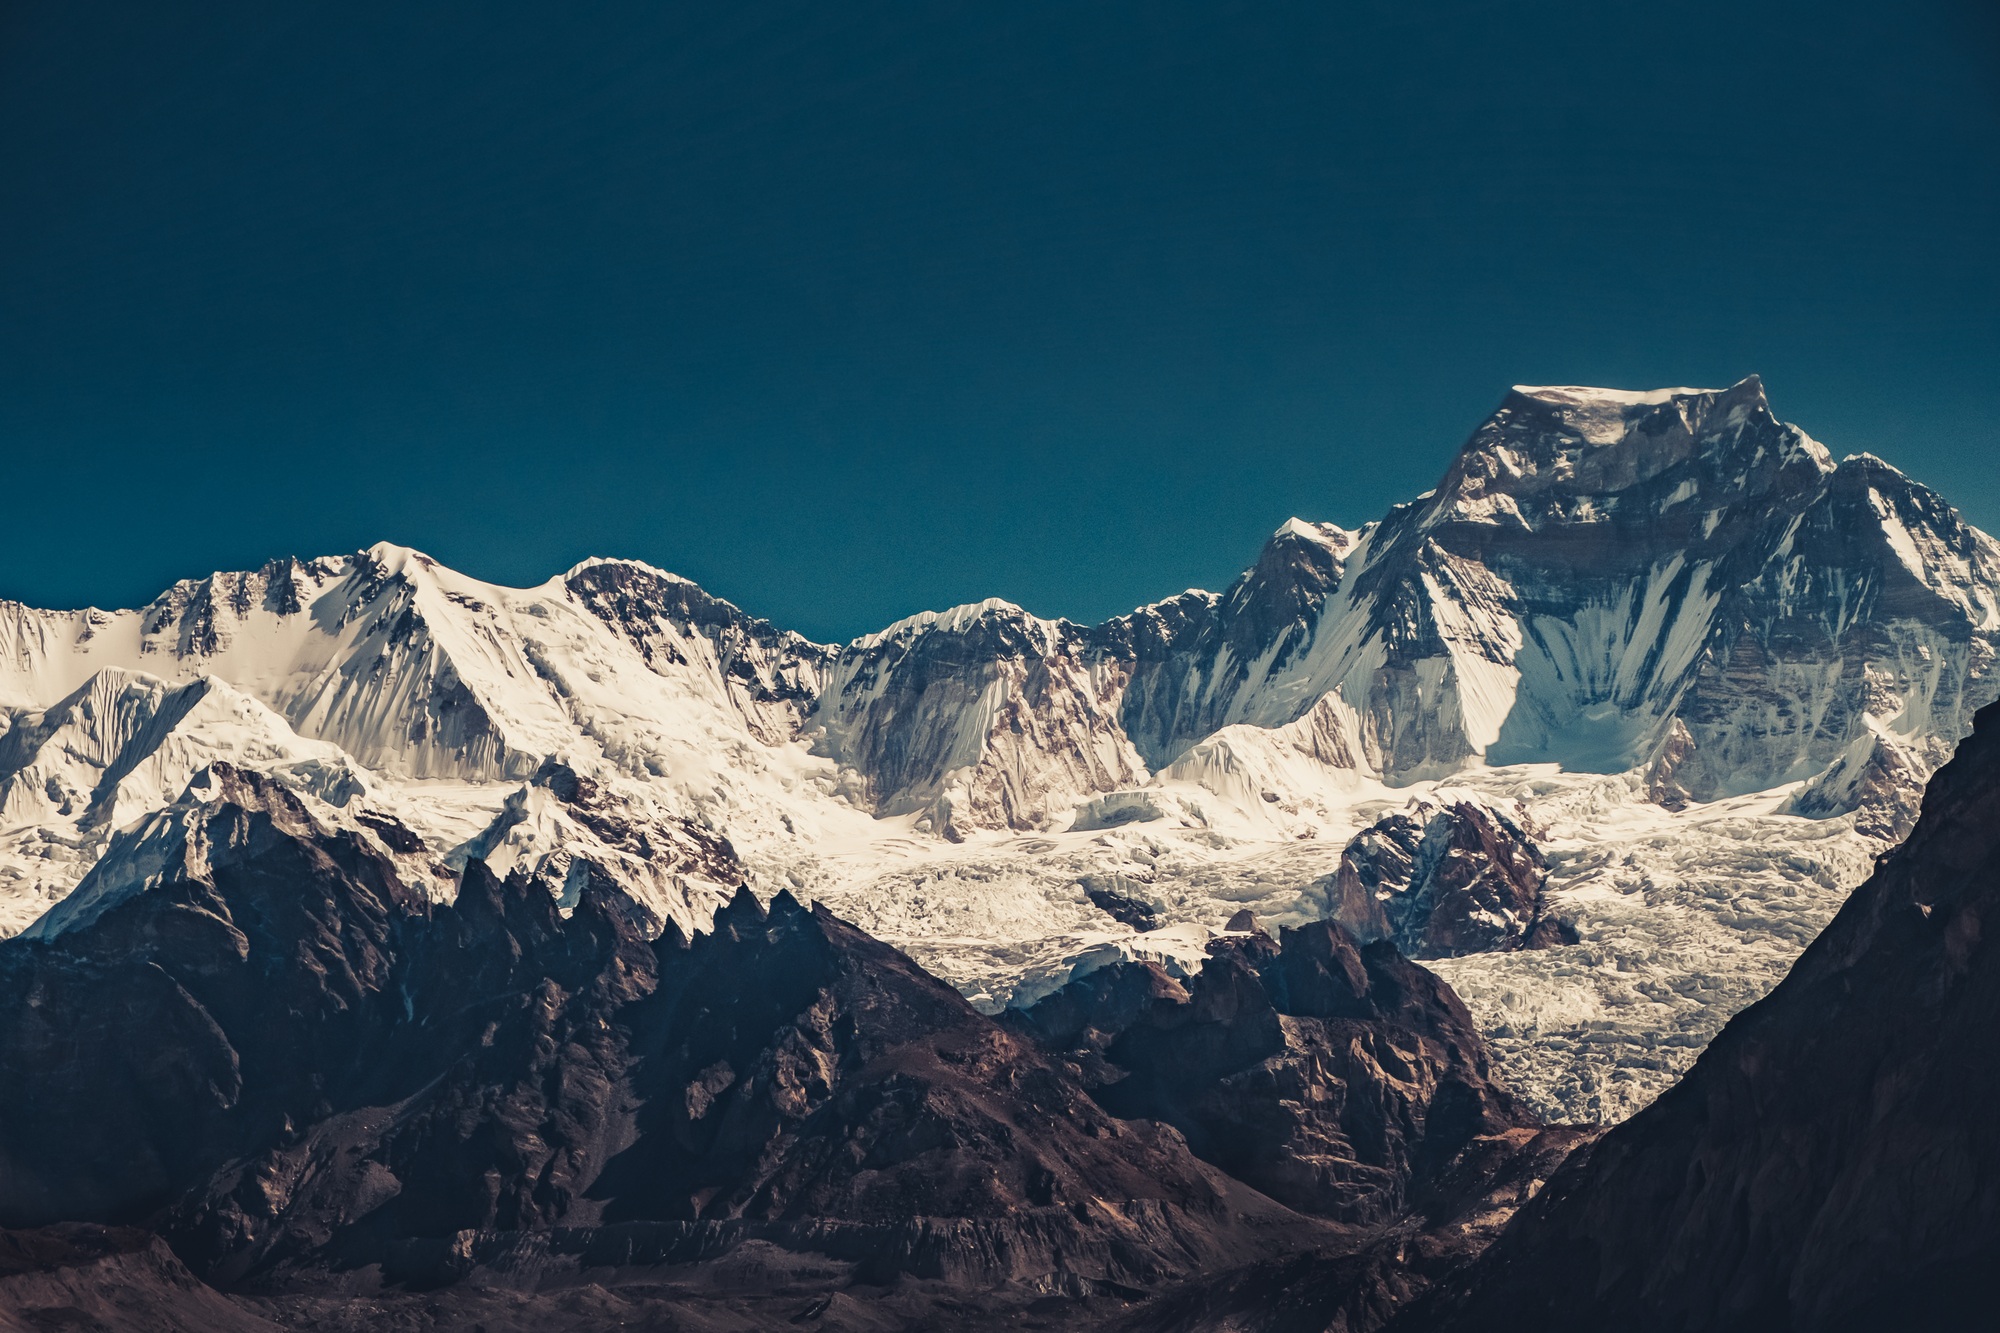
x,y
323,1084
1877,780
563,827
1440,880
1334,1077
1829,1163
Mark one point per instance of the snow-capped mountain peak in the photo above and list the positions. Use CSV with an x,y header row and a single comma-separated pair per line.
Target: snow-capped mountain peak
x,y
1568,456
1654,604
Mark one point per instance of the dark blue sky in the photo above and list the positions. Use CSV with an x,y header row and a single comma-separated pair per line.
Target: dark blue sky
x,y
851,310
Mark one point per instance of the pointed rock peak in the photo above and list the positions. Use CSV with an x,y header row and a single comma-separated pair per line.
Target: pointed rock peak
x,y
1301,546
786,908
1244,922
220,782
605,898
742,910
995,613
1570,454
1331,535
479,889
1872,470
1621,416
1866,461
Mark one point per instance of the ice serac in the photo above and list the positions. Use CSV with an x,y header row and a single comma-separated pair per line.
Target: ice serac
x,y
982,717
1830,1162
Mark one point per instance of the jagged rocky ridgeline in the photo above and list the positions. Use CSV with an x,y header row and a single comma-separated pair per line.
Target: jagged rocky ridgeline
x,y
319,1083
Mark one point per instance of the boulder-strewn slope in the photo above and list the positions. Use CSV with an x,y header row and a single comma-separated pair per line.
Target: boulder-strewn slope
x,y
1830,1162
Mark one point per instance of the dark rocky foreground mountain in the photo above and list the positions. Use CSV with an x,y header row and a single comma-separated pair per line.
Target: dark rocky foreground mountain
x,y
347,1105
1831,1162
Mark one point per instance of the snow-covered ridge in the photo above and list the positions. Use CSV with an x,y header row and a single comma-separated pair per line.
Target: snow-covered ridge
x,y
1660,605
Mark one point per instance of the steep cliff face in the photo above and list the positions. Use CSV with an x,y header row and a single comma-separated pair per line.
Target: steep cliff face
x,y
1201,662
982,717
1595,565
773,677
1828,1163
1599,577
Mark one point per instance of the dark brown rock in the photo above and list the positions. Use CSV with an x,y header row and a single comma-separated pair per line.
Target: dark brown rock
x,y
1331,1076
108,1280
1444,880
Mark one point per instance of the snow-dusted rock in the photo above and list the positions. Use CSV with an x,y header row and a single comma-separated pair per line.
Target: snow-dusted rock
x,y
1446,876
982,717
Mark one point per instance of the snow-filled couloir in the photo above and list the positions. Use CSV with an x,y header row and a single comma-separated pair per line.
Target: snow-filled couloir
x,y
1659,658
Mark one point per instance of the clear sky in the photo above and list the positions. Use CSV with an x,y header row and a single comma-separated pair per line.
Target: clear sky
x,y
850,310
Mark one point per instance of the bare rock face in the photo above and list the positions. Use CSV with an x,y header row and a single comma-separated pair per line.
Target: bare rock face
x,y
1663,787
1334,1077
1829,1163
1196,660
1443,880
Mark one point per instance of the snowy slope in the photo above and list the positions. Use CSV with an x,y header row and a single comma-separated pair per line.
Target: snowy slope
x,y
1706,664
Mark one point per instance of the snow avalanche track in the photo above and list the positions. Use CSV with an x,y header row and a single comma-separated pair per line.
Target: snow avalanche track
x,y
1703,669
